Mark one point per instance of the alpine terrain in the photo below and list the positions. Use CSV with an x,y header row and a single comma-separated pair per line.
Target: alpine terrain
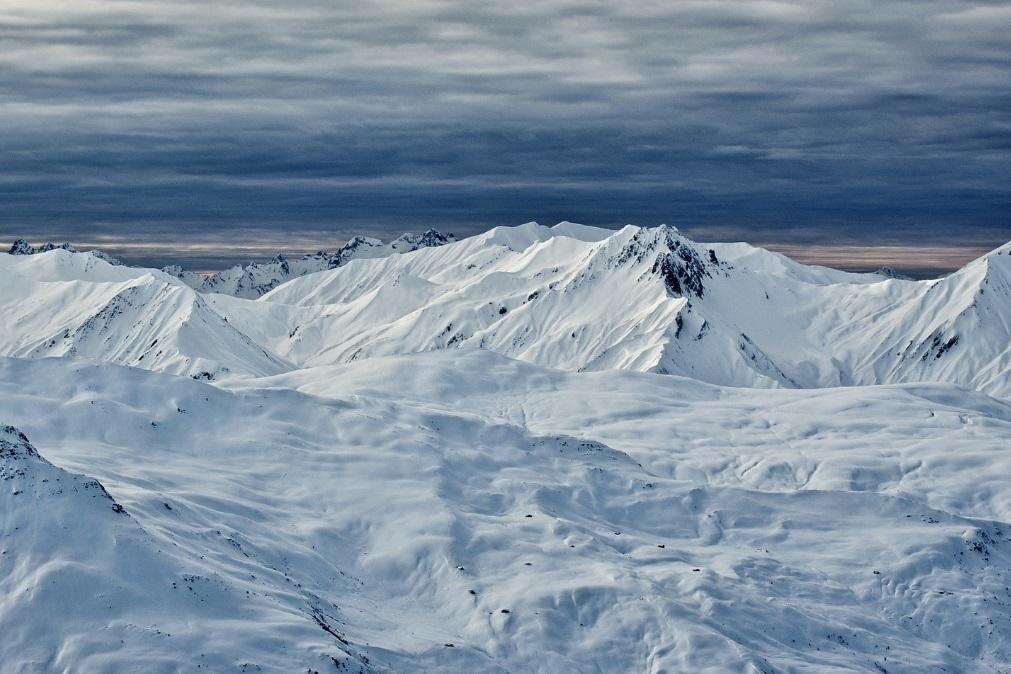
x,y
538,449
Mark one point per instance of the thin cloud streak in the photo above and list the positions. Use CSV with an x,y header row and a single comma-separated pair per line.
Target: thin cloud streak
x,y
916,260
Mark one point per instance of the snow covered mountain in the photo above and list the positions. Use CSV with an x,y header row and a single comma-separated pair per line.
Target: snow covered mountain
x,y
570,297
60,303
540,449
651,300
255,279
22,247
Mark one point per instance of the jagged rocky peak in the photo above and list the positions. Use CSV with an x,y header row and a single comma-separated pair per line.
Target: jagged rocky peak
x,y
22,247
49,245
405,243
888,272
351,248
14,444
680,263
106,257
682,269
282,262
430,238
257,278
357,241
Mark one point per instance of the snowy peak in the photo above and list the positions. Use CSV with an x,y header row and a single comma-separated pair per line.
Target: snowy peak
x,y
430,238
22,247
148,321
356,245
14,444
258,278
681,264
998,263
683,268
888,272
575,230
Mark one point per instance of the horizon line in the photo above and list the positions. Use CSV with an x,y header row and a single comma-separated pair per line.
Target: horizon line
x,y
210,255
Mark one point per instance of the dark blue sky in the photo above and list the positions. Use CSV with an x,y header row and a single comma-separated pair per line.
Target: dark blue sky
x,y
292,124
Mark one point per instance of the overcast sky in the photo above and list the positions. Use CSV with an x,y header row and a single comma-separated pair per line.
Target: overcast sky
x,y
295,123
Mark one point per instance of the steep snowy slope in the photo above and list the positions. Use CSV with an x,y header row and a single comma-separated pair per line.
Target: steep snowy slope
x,y
523,291
255,279
807,327
434,516
60,303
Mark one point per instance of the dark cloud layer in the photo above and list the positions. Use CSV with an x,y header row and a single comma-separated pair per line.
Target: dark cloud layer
x,y
822,122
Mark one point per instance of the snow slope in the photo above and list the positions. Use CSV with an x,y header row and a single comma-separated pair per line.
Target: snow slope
x,y
452,512
60,303
86,588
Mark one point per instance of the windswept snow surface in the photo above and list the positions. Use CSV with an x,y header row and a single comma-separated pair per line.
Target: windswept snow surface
x,y
337,483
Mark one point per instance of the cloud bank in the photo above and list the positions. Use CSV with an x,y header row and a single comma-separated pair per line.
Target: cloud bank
x,y
815,122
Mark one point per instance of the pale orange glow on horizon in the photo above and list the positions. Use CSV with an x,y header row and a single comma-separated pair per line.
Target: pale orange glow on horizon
x,y
926,258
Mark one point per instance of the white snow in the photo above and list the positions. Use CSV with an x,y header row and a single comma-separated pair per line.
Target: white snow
x,y
256,278
338,483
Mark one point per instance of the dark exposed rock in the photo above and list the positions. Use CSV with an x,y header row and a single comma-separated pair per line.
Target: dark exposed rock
x,y
22,247
14,444
681,268
939,346
888,272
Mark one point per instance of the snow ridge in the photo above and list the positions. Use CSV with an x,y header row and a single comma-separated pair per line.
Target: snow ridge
x,y
255,279
22,247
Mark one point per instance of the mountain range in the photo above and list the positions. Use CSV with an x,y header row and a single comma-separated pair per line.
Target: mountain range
x,y
570,297
537,449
